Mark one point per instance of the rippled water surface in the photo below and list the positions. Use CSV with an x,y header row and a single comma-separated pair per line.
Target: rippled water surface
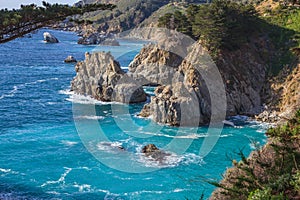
x,y
42,156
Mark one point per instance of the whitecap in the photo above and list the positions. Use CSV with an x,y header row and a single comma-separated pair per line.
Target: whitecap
x,y
21,86
91,117
60,180
68,143
5,170
10,93
82,99
187,136
109,146
83,188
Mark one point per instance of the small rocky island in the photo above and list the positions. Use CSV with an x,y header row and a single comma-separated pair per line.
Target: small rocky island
x,y
101,77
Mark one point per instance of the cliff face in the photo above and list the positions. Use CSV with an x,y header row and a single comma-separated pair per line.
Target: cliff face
x,y
101,77
284,97
244,74
153,66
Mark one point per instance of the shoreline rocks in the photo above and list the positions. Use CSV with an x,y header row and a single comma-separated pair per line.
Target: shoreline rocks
x,y
151,151
49,38
70,59
102,78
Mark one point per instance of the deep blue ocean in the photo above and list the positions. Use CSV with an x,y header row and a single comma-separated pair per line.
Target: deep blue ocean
x,y
43,157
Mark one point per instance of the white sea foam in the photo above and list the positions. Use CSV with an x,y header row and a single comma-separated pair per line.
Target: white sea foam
x,y
170,160
83,187
81,99
109,146
22,86
188,136
68,143
60,180
5,170
91,117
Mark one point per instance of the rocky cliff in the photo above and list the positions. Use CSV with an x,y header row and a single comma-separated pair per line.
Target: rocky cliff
x,y
244,74
101,77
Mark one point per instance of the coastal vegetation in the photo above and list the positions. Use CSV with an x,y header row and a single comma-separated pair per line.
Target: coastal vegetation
x,y
18,22
271,172
227,25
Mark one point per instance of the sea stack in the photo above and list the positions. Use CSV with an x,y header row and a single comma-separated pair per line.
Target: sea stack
x,y
49,38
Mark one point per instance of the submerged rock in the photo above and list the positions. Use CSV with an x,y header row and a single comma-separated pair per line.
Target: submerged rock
x,y
70,59
154,153
102,78
49,38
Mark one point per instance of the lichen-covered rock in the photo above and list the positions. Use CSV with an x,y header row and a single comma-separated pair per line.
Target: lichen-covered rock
x,y
101,77
49,38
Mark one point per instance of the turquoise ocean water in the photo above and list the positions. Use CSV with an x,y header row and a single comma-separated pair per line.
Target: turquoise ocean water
x,y
42,156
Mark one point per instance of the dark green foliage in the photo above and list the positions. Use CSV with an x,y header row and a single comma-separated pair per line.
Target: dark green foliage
x,y
15,23
222,24
273,173
176,21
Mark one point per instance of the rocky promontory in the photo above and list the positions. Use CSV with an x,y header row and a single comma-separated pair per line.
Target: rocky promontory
x,y
102,78
184,87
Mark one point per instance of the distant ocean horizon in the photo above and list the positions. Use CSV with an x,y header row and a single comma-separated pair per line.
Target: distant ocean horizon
x,y
42,156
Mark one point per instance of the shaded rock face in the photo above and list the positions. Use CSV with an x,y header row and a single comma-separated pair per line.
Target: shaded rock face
x,y
174,105
153,66
49,38
70,59
101,77
186,101
285,89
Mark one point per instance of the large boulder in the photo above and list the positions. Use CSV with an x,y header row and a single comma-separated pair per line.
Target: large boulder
x,y
152,152
176,106
49,38
70,59
102,78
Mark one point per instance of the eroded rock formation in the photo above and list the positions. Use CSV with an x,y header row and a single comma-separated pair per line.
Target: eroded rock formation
x,y
101,77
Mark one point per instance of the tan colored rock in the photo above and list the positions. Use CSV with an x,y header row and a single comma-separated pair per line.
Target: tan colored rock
x,y
101,77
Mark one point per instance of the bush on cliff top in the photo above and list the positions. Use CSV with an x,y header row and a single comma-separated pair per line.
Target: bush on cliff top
x,y
272,172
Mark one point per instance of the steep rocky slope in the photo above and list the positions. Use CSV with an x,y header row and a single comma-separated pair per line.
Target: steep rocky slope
x,y
244,74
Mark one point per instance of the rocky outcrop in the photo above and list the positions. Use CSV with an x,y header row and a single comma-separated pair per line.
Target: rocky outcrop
x,y
174,105
283,100
91,39
49,38
110,42
152,152
243,75
70,59
101,77
154,66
